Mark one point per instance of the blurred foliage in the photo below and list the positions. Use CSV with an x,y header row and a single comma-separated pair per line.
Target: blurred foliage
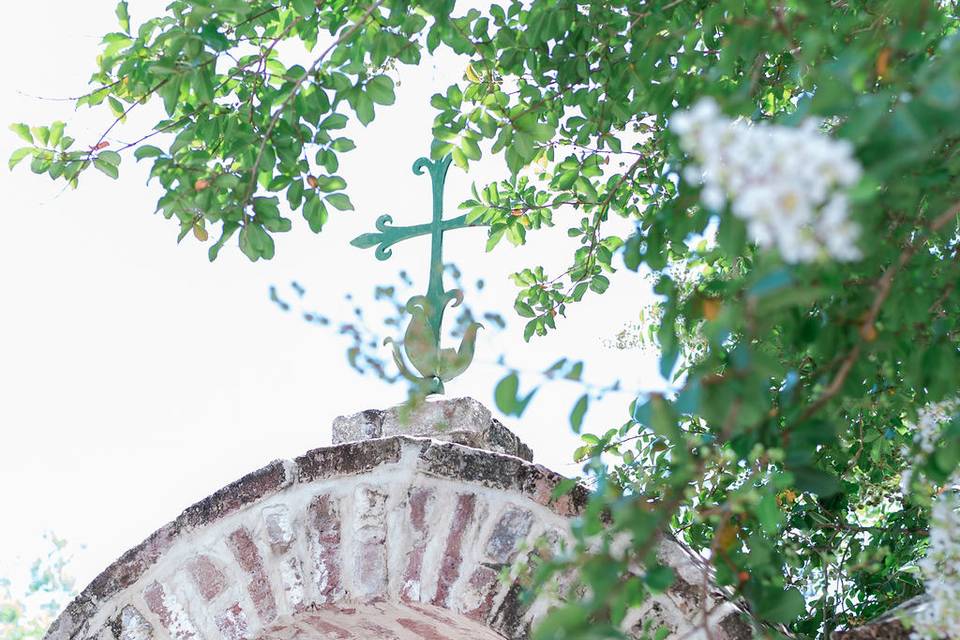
x,y
383,316
779,453
26,614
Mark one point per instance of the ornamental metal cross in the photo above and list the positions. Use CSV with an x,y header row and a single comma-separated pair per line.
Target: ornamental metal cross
x,y
422,338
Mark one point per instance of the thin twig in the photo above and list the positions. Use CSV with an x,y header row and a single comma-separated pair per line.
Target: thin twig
x,y
884,288
129,109
71,99
251,19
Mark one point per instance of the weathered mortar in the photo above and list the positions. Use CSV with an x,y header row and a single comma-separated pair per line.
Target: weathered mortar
x,y
394,537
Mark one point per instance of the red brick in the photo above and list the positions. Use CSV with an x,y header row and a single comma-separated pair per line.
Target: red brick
x,y
232,623
436,614
170,613
423,629
324,526
248,557
419,501
207,577
379,633
286,631
482,586
453,553
329,629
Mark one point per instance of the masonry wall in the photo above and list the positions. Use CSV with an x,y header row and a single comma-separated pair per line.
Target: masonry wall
x,y
389,538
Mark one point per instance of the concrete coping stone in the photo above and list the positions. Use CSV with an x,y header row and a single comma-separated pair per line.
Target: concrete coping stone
x,y
460,420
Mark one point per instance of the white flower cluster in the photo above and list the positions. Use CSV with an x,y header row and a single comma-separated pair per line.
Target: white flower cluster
x,y
930,420
926,433
787,183
940,616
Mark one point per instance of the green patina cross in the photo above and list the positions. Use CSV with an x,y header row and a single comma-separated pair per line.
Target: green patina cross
x,y
422,338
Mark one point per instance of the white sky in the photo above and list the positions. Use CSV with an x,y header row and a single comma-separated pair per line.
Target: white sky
x,y
136,377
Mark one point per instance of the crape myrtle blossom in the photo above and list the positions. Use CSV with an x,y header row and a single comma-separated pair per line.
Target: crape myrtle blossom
x,y
931,419
940,616
786,183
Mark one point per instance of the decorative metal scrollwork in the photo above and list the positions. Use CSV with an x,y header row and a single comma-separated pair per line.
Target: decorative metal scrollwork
x,y
421,341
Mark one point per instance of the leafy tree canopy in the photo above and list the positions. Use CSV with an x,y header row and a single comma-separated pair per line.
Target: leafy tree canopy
x,y
807,272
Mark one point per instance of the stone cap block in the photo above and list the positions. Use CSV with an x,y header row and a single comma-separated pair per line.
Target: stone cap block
x,y
460,420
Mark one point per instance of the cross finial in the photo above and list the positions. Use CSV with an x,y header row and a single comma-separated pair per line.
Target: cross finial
x,y
422,338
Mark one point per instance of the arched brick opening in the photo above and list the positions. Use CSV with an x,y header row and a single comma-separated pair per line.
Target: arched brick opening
x,y
390,538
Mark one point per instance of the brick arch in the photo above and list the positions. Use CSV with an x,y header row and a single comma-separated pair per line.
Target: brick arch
x,y
393,538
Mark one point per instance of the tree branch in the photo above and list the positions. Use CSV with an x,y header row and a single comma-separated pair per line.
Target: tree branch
x,y
251,187
884,287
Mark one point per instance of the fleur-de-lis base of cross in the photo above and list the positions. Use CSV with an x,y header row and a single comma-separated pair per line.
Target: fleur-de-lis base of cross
x,y
421,341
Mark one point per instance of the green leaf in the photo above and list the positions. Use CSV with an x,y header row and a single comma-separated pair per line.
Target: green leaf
x,y
341,201
343,144
147,151
771,282
523,309
599,283
203,85
106,167
331,183
768,512
277,225
23,131
226,181
256,243
19,155
170,93
816,481
782,607
111,157
659,578
334,121
267,207
380,90
563,487
505,393
470,149
579,411
56,169
185,228
41,134
39,164
668,358
210,33
295,194
123,16
315,213
364,109
229,228
116,106
56,133
305,8
505,396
